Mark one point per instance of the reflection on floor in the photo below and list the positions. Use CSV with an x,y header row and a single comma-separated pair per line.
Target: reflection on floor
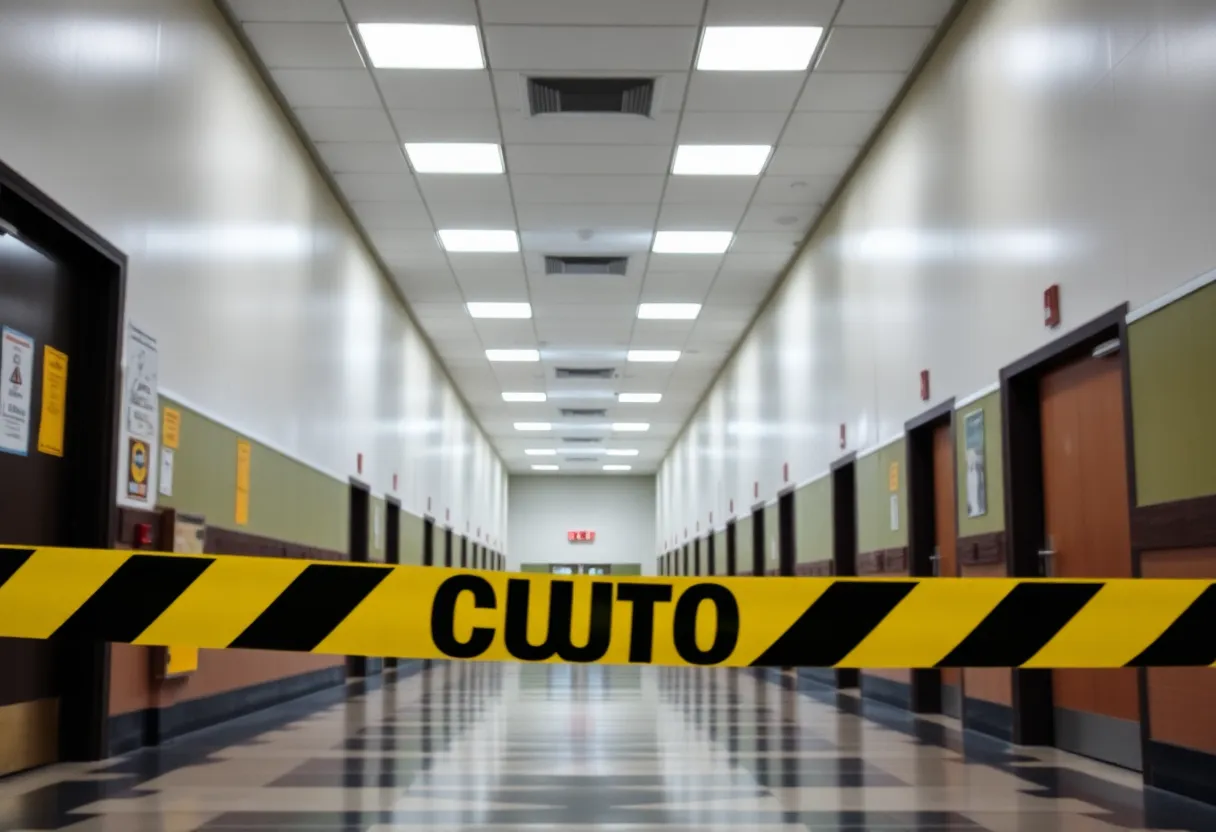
x,y
508,747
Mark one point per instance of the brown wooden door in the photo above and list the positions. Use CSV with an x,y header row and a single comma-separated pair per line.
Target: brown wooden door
x,y
1086,516
36,304
944,516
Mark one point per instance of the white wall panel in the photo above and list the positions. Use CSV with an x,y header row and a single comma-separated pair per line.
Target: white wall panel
x,y
145,119
1048,141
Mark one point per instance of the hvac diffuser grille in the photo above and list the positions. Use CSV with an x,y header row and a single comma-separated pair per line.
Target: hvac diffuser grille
x,y
584,372
633,96
584,412
582,440
585,265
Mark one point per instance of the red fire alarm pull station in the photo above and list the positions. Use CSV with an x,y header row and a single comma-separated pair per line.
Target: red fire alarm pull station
x,y
785,472
842,439
924,385
359,464
581,536
1051,306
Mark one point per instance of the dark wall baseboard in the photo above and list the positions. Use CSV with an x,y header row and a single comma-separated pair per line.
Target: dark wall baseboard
x,y
1181,524
980,549
887,691
1182,770
989,718
153,726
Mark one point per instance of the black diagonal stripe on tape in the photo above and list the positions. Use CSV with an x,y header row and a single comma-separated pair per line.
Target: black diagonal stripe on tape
x,y
132,598
1190,641
311,607
835,623
10,561
1018,627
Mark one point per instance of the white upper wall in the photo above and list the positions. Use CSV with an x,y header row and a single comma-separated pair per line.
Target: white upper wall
x,y
145,119
1048,141
620,510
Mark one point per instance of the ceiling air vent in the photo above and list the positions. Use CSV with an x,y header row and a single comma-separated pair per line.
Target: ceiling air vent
x,y
582,459
582,440
584,412
591,95
584,372
585,265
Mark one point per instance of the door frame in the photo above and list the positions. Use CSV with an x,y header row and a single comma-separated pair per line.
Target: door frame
x,y
732,548
1022,453
711,566
926,692
99,272
844,539
428,540
447,546
759,542
787,532
392,547
696,556
360,666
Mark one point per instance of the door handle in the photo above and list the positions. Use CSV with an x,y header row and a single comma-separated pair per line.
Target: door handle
x,y
1047,559
935,560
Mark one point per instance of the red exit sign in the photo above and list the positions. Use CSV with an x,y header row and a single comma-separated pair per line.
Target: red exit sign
x,y
581,536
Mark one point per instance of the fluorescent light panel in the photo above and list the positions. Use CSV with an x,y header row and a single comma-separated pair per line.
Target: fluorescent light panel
x,y
513,355
478,240
544,468
422,46
692,242
669,311
537,426
540,452
622,452
639,398
618,467
480,309
758,48
523,397
659,356
720,159
630,426
454,157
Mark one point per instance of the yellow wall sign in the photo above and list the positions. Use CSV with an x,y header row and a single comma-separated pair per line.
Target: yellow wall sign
x,y
54,401
243,453
893,477
171,428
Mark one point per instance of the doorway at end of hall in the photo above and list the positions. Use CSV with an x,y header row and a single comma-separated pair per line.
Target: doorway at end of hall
x,y
580,569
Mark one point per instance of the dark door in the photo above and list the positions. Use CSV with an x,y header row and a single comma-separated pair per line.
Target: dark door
x,y
464,553
732,566
844,541
945,523
36,310
359,552
428,542
447,547
758,541
1086,517
392,546
696,556
786,540
711,566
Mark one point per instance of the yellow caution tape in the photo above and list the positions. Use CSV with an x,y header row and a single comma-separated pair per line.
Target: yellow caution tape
x,y
436,613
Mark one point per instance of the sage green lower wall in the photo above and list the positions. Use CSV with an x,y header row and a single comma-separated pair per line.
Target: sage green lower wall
x,y
813,521
719,553
877,526
743,544
410,545
1173,384
993,520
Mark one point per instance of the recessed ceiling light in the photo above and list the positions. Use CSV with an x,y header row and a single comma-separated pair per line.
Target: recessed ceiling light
x,y
630,426
462,240
623,452
720,159
661,356
692,242
540,452
758,48
533,426
499,310
524,397
422,46
513,355
669,311
639,398
454,157
544,468
618,467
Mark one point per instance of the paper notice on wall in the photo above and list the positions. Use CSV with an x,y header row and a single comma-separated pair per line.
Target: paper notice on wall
x,y
894,512
54,401
244,455
166,471
142,381
16,386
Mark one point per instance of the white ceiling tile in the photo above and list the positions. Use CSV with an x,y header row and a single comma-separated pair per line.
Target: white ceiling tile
x,y
506,334
594,293
575,241
436,89
583,159
760,263
741,291
426,291
556,215
519,127
363,157
769,217
568,325
304,45
795,160
687,263
720,189
472,215
409,258
676,287
326,87
593,12
343,124
660,332
841,129
400,214
288,11
743,92
591,48
850,91
700,216
795,190
376,187
893,12
752,242
447,125
770,12
429,312
699,127
464,262
873,48
412,11
454,189
403,243
541,188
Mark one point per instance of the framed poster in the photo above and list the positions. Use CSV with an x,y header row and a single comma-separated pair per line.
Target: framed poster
x,y
977,470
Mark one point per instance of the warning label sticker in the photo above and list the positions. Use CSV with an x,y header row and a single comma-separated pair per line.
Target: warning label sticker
x,y
16,382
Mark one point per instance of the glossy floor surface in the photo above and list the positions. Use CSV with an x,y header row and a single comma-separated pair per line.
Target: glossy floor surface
x,y
490,747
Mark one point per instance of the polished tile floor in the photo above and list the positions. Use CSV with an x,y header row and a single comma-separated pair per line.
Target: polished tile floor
x,y
508,747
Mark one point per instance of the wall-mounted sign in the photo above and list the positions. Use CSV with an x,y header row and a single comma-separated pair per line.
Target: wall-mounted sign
x,y
582,536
